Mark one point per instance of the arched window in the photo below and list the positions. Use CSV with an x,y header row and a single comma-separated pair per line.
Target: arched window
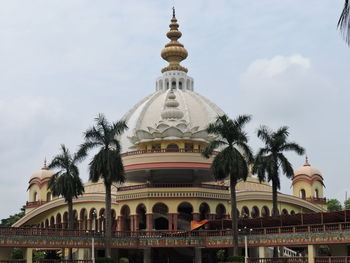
x,y
316,194
160,216
255,212
284,212
265,211
204,211
302,194
173,84
141,216
185,216
245,212
125,217
35,197
220,211
292,212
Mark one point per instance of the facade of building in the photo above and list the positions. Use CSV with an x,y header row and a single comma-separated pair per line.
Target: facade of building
x,y
169,183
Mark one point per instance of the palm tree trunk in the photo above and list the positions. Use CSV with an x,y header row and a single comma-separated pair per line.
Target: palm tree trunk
x,y
108,228
274,212
234,216
70,225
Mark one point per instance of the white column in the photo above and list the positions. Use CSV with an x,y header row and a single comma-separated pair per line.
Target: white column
x,y
262,252
147,255
28,255
311,253
197,255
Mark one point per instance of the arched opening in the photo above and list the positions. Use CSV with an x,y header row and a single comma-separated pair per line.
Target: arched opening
x,y
284,212
35,197
185,216
302,194
172,147
83,219
160,216
188,84
188,147
75,218
58,221
204,211
245,212
47,223
255,212
52,222
292,212
316,194
220,211
101,220
125,218
114,221
65,220
42,225
167,84
265,211
93,219
173,84
48,196
180,85
141,216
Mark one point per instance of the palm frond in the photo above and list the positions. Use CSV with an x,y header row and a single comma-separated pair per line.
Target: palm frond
x,y
292,146
265,134
344,22
208,151
286,166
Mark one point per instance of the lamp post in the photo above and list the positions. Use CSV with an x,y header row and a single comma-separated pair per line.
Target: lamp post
x,y
245,231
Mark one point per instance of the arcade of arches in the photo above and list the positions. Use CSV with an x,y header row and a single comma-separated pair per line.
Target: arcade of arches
x,y
156,217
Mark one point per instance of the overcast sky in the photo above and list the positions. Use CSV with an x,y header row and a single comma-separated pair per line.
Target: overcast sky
x,y
64,61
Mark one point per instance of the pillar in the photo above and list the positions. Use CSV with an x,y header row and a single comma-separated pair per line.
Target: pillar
x,y
262,252
311,253
170,221
120,224
175,216
149,219
197,255
28,255
81,254
132,223
147,255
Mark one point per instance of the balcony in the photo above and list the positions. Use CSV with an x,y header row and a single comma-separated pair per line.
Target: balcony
x,y
35,204
173,185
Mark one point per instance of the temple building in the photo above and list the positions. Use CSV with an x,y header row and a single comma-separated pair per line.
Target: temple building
x,y
168,182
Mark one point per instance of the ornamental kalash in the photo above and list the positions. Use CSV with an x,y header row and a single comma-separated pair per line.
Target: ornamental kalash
x,y
169,183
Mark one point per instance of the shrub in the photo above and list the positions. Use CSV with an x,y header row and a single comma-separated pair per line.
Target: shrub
x,y
123,260
235,259
220,254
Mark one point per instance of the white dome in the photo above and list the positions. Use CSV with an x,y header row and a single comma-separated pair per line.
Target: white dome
x,y
168,115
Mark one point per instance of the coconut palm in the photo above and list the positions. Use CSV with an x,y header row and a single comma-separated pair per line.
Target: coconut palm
x,y
232,160
270,160
344,22
107,164
66,182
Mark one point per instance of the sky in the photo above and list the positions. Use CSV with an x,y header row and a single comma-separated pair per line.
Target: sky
x,y
64,61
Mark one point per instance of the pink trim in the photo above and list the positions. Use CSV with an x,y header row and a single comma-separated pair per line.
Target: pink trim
x,y
166,165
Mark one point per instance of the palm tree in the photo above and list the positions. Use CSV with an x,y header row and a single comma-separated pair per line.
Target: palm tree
x,y
232,160
107,164
344,22
270,160
66,182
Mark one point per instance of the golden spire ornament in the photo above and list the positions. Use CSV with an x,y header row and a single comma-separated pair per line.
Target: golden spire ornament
x,y
174,52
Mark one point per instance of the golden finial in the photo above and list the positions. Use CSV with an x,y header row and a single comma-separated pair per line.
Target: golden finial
x,y
306,161
174,52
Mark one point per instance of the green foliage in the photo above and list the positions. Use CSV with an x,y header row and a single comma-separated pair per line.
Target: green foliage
x,y
220,255
347,204
12,219
38,254
66,182
333,205
103,260
123,260
235,259
17,253
344,22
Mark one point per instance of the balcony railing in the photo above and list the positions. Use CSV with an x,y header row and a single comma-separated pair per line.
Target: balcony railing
x,y
27,231
321,201
173,185
35,204
279,260
334,259
162,151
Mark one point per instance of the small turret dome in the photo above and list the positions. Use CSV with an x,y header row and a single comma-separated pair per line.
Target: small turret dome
x,y
307,170
43,174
